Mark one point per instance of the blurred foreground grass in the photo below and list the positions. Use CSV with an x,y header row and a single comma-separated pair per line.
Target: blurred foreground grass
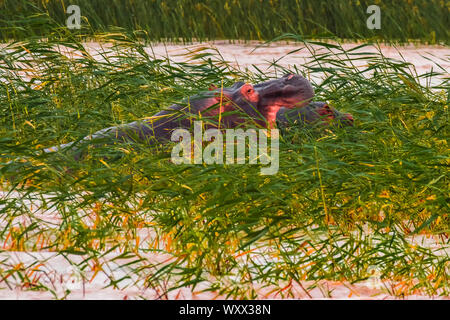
x,y
403,21
344,201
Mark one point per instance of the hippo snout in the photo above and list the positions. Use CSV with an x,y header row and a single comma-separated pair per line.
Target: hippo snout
x,y
289,91
296,80
293,78
298,91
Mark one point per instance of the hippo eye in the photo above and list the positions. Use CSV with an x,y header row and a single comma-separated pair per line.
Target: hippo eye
x,y
248,91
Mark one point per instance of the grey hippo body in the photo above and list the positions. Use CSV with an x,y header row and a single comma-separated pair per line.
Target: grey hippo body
x,y
227,107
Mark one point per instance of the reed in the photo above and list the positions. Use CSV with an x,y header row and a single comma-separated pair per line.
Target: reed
x,y
425,21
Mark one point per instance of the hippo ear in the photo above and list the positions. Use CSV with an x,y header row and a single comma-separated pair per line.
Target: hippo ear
x,y
212,87
249,93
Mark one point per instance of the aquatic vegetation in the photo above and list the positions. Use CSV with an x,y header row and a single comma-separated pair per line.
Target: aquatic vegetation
x,y
187,20
345,200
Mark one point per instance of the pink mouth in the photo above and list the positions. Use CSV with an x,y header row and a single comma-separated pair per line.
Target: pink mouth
x,y
271,115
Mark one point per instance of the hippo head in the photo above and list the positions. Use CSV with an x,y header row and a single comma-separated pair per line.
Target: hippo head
x,y
262,101
314,113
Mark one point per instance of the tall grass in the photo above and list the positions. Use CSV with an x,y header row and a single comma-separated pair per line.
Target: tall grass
x,y
344,200
188,20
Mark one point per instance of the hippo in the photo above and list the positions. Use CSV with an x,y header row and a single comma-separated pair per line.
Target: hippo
x,y
229,107
314,113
